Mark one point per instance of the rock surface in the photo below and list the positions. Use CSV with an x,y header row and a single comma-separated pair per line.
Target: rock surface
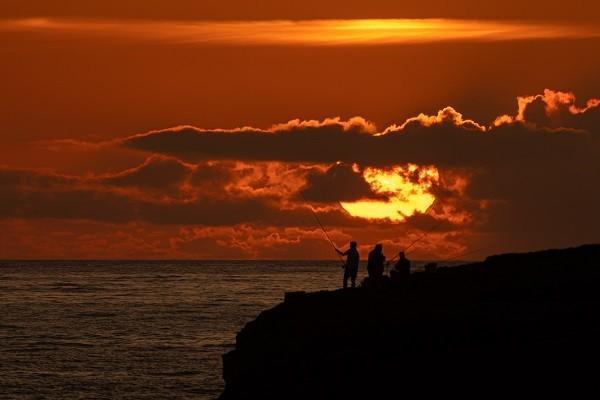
x,y
513,324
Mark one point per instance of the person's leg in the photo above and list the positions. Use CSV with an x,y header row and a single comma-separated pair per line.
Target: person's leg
x,y
346,276
353,279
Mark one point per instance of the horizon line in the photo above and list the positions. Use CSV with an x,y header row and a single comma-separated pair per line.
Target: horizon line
x,y
195,260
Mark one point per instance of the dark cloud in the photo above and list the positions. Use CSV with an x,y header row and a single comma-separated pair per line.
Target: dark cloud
x,y
527,205
38,194
528,181
428,224
445,140
157,172
161,176
557,110
211,175
535,113
296,141
22,177
340,182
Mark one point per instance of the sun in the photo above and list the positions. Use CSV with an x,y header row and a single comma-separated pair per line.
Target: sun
x,y
407,189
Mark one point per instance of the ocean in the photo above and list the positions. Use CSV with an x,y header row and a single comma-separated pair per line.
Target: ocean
x,y
134,329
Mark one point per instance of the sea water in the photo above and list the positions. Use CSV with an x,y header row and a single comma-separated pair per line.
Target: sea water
x,y
134,330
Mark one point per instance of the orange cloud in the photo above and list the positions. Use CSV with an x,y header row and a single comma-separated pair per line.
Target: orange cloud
x,y
307,32
446,116
552,102
446,139
244,192
353,124
164,190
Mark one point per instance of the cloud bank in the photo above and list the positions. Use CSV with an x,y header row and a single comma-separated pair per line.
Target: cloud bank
x,y
446,139
522,181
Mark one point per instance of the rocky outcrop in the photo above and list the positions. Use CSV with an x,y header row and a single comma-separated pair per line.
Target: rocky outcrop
x,y
515,323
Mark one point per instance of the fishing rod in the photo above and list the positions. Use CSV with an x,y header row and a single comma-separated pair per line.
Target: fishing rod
x,y
323,229
433,228
420,238
326,234
417,240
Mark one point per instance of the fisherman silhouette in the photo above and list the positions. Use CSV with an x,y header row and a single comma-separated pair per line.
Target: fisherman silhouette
x,y
376,262
402,268
351,265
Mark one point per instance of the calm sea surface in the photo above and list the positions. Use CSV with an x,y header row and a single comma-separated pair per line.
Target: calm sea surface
x,y
134,330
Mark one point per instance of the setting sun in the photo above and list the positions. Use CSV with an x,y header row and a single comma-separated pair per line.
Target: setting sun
x,y
407,189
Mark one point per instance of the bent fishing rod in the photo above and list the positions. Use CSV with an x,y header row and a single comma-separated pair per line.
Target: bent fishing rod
x,y
425,234
421,237
326,234
324,230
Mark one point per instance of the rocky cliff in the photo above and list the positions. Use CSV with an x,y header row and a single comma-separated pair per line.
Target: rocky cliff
x,y
513,324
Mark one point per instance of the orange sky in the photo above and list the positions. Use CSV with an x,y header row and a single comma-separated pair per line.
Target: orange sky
x,y
142,130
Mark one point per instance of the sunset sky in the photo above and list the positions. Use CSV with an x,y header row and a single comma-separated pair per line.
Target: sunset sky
x,y
212,129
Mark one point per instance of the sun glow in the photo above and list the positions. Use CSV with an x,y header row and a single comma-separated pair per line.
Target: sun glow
x,y
406,189
326,32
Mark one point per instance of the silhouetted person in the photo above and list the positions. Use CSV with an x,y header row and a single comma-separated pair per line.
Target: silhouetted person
x,y
402,268
403,264
376,262
351,265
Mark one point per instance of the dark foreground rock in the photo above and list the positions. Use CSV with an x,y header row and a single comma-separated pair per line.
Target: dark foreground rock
x,y
515,325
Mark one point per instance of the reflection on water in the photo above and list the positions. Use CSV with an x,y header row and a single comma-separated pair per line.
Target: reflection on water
x,y
123,329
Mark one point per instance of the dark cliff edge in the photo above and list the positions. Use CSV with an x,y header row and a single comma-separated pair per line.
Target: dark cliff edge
x,y
513,324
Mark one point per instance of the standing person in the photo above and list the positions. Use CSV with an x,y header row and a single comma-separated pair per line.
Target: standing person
x,y
376,262
351,265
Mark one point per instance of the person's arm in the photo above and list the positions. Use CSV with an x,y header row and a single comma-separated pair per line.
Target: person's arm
x,y
341,253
